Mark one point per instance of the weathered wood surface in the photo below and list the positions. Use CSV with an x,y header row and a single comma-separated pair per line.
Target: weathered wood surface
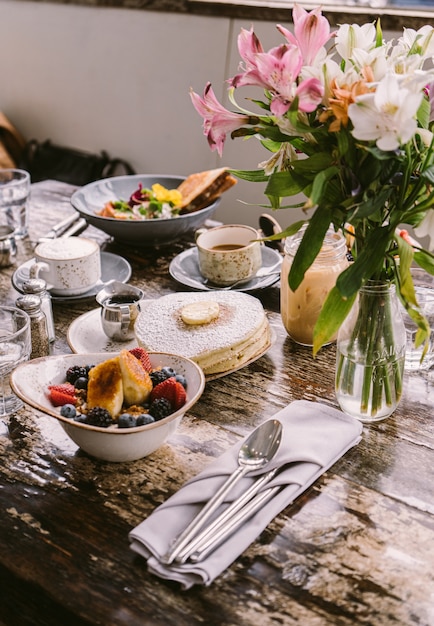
x,y
356,548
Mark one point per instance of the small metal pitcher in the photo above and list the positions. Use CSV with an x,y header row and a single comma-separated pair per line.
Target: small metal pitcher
x,y
120,306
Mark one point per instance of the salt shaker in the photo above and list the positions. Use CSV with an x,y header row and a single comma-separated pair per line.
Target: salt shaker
x,y
31,304
38,287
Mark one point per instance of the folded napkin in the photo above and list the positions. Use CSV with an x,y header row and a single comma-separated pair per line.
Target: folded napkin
x,y
314,437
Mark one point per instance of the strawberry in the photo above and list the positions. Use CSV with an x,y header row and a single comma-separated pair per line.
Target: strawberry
x,y
143,357
62,394
172,390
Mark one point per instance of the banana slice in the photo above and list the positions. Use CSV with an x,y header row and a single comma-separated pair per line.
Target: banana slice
x,y
200,312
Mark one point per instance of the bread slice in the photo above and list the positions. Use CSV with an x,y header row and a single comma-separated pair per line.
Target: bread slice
x,y
137,383
201,189
105,387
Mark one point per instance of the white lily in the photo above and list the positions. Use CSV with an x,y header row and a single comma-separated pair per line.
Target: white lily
x,y
351,36
426,229
386,116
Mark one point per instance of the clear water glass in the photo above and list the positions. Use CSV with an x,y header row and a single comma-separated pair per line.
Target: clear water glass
x,y
15,347
14,196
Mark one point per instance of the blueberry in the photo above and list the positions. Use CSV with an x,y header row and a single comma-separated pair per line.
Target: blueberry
x,y
144,419
81,383
69,411
82,419
180,378
169,371
126,420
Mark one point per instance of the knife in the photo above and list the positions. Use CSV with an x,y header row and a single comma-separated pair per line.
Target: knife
x,y
61,227
237,520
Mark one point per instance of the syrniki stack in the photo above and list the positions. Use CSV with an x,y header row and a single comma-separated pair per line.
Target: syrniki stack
x,y
219,330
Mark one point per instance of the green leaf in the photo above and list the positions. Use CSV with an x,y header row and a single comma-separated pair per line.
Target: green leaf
x,y
320,183
257,176
317,162
423,113
425,260
309,246
333,312
281,184
370,205
367,264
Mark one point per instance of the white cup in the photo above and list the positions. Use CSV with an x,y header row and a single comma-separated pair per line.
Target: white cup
x,y
229,253
70,266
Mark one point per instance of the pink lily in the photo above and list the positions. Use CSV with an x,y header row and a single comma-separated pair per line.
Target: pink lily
x,y
248,46
311,29
217,121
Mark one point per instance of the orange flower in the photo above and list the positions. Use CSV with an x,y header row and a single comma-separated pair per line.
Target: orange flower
x,y
345,95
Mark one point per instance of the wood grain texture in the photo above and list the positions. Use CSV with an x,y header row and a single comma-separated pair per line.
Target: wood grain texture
x,y
356,549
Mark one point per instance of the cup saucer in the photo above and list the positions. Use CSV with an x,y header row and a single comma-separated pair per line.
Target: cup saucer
x,y
184,268
113,267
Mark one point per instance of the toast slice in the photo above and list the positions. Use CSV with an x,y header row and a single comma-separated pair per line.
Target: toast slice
x,y
137,383
105,388
201,189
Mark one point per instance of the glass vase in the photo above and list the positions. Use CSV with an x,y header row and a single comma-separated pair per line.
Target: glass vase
x,y
370,354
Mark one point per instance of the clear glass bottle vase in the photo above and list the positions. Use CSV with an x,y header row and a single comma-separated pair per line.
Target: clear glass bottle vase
x,y
370,354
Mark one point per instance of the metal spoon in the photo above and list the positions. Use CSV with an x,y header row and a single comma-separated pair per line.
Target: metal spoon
x,y
258,450
261,273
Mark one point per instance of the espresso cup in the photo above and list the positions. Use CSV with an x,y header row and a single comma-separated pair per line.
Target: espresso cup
x,y
228,254
70,266
120,306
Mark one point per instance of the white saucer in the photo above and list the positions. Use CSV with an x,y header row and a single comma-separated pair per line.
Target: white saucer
x,y
185,269
113,267
85,335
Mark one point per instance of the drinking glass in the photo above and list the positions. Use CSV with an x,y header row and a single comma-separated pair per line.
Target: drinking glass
x,y
15,347
14,195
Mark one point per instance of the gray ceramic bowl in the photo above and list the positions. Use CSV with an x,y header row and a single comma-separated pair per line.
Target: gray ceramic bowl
x,y
92,197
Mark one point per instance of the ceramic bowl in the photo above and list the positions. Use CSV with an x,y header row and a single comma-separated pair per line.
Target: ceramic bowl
x,y
30,382
91,198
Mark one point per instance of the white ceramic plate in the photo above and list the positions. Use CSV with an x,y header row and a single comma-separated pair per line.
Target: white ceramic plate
x,y
185,269
85,335
113,267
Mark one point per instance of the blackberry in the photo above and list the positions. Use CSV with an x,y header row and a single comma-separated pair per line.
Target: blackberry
x,y
158,376
97,416
74,372
161,407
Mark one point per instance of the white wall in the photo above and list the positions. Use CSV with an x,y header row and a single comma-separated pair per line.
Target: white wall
x,y
119,80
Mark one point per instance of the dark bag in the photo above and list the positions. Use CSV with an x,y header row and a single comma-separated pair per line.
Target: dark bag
x,y
49,161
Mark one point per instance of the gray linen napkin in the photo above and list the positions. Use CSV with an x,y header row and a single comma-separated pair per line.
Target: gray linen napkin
x,y
314,437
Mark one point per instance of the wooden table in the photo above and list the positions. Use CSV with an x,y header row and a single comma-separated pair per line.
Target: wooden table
x,y
356,548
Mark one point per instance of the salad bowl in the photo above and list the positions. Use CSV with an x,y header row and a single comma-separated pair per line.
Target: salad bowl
x,y
91,199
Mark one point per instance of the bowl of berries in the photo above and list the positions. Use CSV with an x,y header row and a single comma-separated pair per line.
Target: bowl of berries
x,y
118,407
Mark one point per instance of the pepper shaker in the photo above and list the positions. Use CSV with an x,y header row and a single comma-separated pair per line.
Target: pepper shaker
x,y
31,304
38,287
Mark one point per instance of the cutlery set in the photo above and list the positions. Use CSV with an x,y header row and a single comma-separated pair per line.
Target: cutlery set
x,y
71,225
196,542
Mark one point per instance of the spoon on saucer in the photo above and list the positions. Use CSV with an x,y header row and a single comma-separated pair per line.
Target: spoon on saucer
x,y
261,273
256,452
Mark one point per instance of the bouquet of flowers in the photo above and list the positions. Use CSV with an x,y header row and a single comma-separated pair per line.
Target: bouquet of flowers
x,y
347,118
